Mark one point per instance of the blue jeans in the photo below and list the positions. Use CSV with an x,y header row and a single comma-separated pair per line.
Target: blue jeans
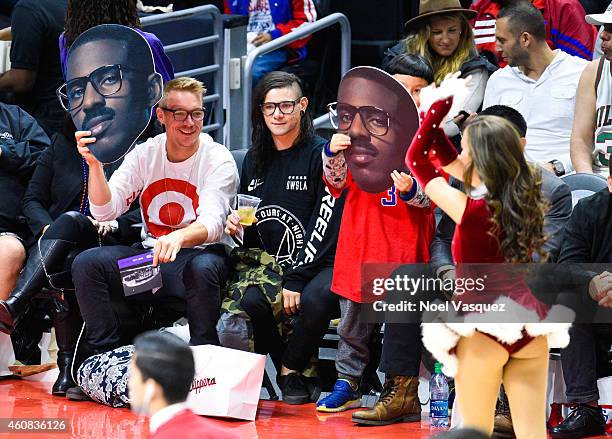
x,y
196,276
267,63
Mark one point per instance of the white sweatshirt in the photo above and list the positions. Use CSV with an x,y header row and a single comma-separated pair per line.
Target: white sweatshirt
x,y
174,195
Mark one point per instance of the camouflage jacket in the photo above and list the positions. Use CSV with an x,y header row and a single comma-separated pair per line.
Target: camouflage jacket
x,y
253,267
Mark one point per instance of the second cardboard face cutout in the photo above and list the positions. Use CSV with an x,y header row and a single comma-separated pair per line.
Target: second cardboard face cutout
x,y
380,117
111,88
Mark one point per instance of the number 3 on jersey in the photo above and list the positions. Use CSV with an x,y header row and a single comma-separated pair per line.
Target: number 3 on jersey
x,y
391,198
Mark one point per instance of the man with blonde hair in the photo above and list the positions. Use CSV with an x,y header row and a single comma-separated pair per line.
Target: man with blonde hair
x,y
185,183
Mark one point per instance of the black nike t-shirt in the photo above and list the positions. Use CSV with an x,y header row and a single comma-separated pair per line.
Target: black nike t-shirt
x,y
298,219
36,26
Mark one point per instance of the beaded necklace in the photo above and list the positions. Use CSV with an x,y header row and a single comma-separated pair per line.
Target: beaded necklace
x,y
84,209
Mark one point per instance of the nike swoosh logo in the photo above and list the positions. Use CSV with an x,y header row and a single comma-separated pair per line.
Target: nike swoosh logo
x,y
254,184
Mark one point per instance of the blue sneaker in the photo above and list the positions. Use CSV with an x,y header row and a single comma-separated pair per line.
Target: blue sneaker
x,y
342,398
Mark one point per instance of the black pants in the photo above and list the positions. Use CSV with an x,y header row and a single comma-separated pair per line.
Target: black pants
x,y
73,226
77,229
401,351
402,343
579,361
318,305
196,276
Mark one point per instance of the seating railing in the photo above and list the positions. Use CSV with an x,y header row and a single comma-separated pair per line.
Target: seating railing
x,y
213,96
296,34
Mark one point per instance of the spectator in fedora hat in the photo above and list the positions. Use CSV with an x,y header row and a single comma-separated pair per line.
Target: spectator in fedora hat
x,y
441,33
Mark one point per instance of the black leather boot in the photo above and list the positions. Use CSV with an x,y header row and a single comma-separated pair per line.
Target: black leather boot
x,y
64,380
584,421
32,279
68,324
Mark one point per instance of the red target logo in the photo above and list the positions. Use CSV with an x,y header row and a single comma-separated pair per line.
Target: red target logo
x,y
167,205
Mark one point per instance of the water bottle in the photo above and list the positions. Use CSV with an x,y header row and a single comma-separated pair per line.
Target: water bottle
x,y
438,399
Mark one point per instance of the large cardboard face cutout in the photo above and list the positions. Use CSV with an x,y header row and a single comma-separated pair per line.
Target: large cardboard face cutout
x,y
379,115
111,88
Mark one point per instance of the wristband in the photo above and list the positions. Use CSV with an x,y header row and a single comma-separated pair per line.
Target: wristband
x,y
328,151
410,194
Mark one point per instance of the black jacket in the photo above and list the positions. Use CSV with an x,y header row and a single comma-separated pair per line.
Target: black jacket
x,y
474,63
21,142
588,234
298,219
57,187
587,241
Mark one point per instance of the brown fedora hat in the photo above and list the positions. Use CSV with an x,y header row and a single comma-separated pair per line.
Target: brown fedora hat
x,y
427,8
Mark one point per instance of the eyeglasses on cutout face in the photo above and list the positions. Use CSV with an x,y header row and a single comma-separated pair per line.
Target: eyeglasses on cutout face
x,y
106,80
374,119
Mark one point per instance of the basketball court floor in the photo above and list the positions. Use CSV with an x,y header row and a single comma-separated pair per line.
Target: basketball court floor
x,y
26,398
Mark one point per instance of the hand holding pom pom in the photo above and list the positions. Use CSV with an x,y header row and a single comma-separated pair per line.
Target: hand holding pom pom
x,y
452,85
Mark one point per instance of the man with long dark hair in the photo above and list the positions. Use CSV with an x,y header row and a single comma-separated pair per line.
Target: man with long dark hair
x,y
297,224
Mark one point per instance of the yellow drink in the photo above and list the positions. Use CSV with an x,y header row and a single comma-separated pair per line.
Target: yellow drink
x,y
247,215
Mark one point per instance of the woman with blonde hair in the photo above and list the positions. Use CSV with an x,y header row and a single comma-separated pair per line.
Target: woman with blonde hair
x,y
443,36
499,220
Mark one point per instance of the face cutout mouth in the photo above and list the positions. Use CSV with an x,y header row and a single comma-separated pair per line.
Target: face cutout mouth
x,y
362,154
98,124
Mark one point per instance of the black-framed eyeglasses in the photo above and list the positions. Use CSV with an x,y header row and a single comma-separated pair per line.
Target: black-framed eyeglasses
x,y
285,107
374,119
105,80
180,115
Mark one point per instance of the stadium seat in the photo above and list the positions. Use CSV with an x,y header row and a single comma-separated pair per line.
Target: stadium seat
x,y
584,185
238,155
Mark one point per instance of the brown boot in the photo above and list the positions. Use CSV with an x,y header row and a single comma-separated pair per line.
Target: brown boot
x,y
398,402
503,428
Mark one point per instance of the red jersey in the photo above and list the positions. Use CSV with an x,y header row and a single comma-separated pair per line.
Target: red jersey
x,y
565,27
377,228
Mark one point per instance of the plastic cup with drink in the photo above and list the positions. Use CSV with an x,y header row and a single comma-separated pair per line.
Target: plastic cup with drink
x,y
247,206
